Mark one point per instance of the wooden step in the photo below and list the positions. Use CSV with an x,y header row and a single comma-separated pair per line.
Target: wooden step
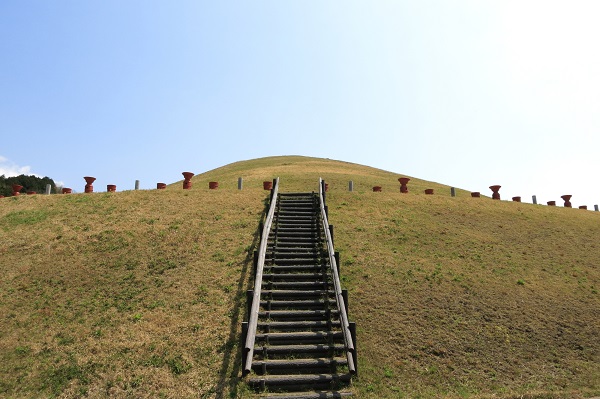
x,y
298,381
300,337
294,261
294,268
289,315
300,325
276,365
278,351
298,305
308,395
296,285
293,276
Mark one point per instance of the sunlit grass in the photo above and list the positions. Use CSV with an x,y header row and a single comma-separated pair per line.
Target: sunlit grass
x,y
141,293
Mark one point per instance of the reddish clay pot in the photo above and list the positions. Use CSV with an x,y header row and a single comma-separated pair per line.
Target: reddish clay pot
x,y
187,180
89,188
377,189
66,190
495,193
161,186
16,189
268,185
326,187
31,192
111,188
476,194
516,199
429,191
1,196
583,207
403,184
567,198
551,203
213,185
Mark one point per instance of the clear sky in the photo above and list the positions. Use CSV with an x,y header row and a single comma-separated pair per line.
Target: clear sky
x,y
465,93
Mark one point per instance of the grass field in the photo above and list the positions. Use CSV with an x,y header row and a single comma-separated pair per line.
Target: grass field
x,y
140,294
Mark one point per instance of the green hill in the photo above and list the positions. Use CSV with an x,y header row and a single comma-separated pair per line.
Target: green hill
x,y
142,293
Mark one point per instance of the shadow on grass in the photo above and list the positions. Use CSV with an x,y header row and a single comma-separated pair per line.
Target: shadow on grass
x,y
238,312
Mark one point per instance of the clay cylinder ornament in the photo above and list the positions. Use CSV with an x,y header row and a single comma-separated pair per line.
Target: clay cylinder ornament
x,y
161,186
187,180
89,188
429,191
567,199
516,199
377,189
476,194
551,203
16,189
213,185
267,185
111,188
495,193
403,184
66,190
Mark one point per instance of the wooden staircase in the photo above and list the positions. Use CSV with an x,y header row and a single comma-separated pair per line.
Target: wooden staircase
x,y
298,341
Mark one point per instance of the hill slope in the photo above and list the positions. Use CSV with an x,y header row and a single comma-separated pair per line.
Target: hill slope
x,y
141,293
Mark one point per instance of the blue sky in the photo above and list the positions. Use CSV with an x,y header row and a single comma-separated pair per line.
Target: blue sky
x,y
465,93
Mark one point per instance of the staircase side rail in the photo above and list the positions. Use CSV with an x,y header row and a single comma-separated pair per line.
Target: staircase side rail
x,y
345,325
253,321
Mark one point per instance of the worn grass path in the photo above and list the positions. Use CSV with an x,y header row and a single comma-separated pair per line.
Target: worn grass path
x,y
141,294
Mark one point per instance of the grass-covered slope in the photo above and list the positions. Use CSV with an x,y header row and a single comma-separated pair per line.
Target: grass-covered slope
x,y
141,293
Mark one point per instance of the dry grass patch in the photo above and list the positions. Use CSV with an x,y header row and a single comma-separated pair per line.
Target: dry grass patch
x,y
470,297
302,174
142,293
131,294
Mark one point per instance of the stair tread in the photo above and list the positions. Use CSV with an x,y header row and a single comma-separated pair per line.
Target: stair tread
x,y
300,347
299,334
308,395
298,324
293,267
297,313
299,292
297,284
302,362
300,378
293,275
297,304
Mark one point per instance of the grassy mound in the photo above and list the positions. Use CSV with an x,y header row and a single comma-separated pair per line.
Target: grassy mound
x,y
141,293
